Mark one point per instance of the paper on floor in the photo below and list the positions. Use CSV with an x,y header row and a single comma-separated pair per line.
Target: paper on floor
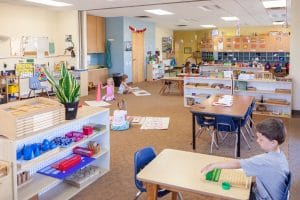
x,y
97,103
156,123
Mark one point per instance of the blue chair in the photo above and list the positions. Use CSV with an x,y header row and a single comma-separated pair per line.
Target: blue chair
x,y
288,186
204,124
35,84
141,158
228,125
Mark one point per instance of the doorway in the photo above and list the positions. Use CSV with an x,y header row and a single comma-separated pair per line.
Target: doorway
x,y
138,57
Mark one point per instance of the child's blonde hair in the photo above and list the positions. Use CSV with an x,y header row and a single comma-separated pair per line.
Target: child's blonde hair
x,y
110,81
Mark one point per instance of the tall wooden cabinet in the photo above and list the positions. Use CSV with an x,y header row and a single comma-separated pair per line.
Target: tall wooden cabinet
x,y
95,34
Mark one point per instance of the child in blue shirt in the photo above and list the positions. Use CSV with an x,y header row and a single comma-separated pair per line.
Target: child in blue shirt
x,y
270,169
124,88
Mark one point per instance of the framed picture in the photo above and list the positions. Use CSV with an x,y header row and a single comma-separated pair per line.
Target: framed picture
x,y
187,50
166,44
128,45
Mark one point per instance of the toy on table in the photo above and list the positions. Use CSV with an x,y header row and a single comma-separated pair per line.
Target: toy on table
x,y
68,163
62,141
94,146
110,90
75,136
87,130
83,151
229,178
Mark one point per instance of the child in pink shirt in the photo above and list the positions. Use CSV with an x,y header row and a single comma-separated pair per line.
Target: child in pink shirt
x,y
110,90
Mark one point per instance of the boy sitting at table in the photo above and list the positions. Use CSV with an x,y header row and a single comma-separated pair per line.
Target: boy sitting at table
x,y
270,169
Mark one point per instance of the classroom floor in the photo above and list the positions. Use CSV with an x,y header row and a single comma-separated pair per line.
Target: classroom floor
x,y
118,183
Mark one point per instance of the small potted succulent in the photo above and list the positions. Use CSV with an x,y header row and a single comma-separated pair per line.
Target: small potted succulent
x,y
67,90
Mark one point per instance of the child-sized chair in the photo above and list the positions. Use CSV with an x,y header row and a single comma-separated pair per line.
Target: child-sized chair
x,y
35,84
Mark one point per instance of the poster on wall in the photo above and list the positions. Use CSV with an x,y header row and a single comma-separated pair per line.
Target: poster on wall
x,y
166,44
24,70
40,72
128,45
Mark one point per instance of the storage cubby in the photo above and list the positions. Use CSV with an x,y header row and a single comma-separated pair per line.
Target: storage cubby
x,y
47,187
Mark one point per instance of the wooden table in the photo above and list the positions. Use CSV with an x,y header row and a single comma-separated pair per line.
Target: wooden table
x,y
237,111
179,171
166,81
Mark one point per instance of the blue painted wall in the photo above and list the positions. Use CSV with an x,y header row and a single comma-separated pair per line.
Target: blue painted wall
x,y
149,41
117,28
114,30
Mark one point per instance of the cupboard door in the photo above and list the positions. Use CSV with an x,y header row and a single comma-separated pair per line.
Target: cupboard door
x,y
100,34
91,34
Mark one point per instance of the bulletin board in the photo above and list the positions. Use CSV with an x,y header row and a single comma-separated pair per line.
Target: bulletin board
x,y
24,70
39,71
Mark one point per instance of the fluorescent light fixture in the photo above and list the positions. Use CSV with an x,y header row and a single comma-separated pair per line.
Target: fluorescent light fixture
x,y
159,12
274,3
230,19
50,3
204,8
208,26
278,23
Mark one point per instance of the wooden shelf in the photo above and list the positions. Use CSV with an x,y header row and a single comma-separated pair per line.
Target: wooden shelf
x,y
44,157
65,191
273,104
204,88
39,182
262,92
271,115
197,96
102,152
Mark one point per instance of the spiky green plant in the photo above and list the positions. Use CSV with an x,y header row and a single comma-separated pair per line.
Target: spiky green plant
x,y
67,89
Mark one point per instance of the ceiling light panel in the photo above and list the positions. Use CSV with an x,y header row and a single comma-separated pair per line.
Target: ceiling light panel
x,y
274,3
208,26
159,12
279,23
50,3
230,19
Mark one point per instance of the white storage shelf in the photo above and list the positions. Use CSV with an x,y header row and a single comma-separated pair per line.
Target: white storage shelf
x,y
47,187
263,88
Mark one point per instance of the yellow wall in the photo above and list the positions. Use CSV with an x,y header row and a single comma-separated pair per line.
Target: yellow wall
x,y
191,38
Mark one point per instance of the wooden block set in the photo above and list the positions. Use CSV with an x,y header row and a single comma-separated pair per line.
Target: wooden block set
x,y
24,117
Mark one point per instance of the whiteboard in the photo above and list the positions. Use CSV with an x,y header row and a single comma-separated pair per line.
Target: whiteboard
x,y
38,46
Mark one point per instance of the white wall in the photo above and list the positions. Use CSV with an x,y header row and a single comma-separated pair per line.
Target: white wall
x,y
17,21
295,52
159,34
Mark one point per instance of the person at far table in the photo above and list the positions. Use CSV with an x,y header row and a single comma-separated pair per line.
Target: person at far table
x,y
270,169
187,68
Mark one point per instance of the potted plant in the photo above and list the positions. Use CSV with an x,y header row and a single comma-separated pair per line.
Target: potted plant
x,y
67,90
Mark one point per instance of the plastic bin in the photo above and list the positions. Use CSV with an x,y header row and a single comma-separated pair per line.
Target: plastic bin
x,y
117,79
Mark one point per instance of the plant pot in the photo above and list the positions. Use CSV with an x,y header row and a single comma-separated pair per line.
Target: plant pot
x,y
71,110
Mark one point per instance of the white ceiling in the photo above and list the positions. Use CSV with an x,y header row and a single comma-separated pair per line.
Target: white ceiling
x,y
187,12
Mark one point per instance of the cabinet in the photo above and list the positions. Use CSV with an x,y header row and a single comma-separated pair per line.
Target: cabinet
x,y
44,186
274,96
96,75
10,87
154,71
95,34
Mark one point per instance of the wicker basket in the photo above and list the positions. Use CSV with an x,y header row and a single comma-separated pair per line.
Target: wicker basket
x,y
24,117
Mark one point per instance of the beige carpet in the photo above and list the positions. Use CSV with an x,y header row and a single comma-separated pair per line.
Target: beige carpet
x,y
118,184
